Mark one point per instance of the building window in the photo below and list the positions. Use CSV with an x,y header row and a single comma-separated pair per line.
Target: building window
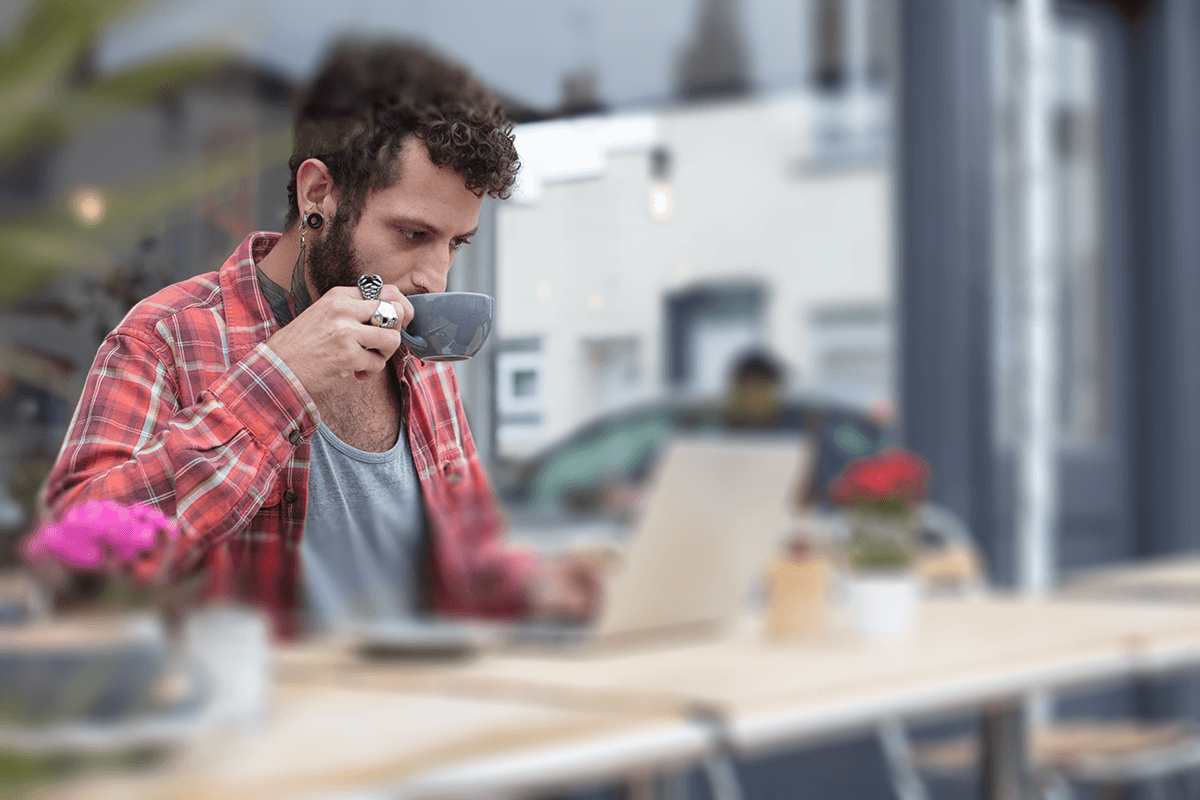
x,y
708,328
851,350
880,41
525,383
520,401
614,370
829,44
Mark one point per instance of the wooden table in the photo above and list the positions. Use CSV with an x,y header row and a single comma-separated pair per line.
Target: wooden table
x,y
511,719
1170,580
349,741
757,696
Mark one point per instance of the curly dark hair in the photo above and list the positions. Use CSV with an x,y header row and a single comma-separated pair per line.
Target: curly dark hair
x,y
367,100
757,364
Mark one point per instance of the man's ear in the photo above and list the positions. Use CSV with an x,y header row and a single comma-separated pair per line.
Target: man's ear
x,y
314,187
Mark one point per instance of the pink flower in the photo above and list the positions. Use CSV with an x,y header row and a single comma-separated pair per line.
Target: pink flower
x,y
85,534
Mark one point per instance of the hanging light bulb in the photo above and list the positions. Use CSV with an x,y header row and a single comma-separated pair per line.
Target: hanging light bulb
x,y
662,199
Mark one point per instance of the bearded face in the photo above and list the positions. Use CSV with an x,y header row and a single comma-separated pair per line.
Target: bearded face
x,y
332,260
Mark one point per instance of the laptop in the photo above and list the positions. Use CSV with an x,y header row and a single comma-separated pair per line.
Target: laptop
x,y
714,514
713,517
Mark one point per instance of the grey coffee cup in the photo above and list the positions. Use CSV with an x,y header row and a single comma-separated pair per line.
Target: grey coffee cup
x,y
449,326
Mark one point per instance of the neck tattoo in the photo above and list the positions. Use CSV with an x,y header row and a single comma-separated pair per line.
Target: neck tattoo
x,y
285,306
300,298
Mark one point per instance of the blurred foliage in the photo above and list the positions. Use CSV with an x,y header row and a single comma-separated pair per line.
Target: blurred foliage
x,y
23,775
53,241
49,93
45,85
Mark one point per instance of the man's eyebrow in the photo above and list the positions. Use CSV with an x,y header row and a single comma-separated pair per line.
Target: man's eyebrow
x,y
413,223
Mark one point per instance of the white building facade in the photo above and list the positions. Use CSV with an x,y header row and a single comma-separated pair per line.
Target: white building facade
x,y
642,253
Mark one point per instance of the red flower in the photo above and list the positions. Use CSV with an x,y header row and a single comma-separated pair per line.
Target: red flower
x,y
894,477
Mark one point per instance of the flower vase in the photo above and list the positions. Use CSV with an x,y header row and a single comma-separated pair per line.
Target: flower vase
x,y
883,605
883,588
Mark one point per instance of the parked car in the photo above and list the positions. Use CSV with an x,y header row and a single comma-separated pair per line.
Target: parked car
x,y
588,482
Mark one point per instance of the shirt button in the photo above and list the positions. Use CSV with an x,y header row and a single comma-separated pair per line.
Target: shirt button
x,y
294,437
289,496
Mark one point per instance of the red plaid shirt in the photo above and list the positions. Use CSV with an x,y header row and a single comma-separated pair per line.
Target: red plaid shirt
x,y
186,408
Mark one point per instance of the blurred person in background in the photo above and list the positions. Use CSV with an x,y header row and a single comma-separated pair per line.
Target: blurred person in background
x,y
757,402
315,467
756,396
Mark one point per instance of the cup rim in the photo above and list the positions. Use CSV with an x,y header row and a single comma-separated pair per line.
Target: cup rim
x,y
448,294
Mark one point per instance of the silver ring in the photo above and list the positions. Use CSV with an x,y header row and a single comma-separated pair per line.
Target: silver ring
x,y
385,315
370,286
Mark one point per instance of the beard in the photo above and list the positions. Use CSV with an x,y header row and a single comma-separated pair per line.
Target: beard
x,y
332,260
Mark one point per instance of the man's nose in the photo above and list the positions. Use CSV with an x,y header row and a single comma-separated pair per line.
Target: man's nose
x,y
434,271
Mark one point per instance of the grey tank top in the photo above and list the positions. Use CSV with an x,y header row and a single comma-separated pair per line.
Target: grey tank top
x,y
362,532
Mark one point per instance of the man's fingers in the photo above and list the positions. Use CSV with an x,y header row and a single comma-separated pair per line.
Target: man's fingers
x,y
351,303
361,310
384,341
404,309
344,291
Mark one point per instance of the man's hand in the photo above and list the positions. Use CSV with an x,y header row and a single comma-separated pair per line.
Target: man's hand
x,y
332,339
569,588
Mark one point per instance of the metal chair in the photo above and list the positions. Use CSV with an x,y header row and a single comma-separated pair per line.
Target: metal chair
x,y
1106,756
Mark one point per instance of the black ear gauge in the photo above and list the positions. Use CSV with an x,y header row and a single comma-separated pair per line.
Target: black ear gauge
x,y
314,220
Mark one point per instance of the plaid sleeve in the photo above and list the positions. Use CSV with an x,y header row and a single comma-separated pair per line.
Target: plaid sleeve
x,y
482,572
499,570
207,465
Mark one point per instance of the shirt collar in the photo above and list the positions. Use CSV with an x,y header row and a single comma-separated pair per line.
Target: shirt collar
x,y
248,316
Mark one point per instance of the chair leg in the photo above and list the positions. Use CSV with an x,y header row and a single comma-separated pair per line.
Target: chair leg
x,y
675,785
639,786
897,752
1055,787
722,778
653,786
1157,789
1185,785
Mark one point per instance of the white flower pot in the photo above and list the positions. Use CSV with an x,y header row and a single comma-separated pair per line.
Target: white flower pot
x,y
883,605
232,645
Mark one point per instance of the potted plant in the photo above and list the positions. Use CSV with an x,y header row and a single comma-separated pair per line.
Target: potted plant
x,y
103,651
881,496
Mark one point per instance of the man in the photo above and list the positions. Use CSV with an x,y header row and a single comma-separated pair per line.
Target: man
x,y
313,464
756,401
841,434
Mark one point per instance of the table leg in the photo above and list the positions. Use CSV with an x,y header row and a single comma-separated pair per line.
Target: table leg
x,y
1004,754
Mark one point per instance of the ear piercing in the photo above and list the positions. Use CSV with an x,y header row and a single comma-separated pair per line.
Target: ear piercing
x,y
310,220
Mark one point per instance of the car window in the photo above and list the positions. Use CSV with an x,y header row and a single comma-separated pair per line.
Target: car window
x,y
618,451
847,437
621,452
